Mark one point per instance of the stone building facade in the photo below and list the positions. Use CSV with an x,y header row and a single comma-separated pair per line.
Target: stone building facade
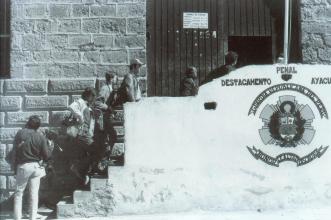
x,y
59,47
316,31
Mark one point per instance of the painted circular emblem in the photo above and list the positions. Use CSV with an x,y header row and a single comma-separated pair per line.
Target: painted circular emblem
x,y
287,124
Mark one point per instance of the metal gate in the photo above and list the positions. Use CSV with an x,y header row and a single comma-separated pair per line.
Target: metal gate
x,y
171,48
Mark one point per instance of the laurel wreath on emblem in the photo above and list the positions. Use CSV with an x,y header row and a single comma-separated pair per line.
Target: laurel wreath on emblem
x,y
287,124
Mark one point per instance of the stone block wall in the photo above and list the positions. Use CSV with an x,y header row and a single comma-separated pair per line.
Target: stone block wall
x,y
58,48
76,38
316,31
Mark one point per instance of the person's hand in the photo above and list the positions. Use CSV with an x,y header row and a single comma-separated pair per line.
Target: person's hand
x,y
78,119
101,105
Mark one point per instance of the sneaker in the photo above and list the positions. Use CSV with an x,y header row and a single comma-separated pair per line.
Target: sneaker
x,y
86,180
40,216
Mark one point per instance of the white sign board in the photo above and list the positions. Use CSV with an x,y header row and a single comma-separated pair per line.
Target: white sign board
x,y
195,20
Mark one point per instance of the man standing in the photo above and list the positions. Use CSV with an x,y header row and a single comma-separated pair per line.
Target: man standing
x,y
107,89
104,106
129,90
30,147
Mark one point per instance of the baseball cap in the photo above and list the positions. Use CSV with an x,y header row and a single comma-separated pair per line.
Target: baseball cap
x,y
136,61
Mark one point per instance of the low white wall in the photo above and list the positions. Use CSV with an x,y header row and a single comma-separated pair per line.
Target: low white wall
x,y
182,157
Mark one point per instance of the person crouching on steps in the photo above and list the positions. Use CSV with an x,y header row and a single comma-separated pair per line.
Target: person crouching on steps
x,y
82,109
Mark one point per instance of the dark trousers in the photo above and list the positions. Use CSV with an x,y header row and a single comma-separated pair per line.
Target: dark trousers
x,y
89,155
110,132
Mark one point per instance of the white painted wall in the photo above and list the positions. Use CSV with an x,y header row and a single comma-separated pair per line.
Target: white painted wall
x,y
182,157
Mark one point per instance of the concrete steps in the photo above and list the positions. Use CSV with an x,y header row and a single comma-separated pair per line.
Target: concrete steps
x,y
64,208
87,203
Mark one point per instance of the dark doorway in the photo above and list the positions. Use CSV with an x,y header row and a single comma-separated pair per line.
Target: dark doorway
x,y
252,50
253,28
171,48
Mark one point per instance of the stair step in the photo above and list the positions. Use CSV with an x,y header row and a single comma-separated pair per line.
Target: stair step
x,y
119,130
80,196
120,139
98,182
65,209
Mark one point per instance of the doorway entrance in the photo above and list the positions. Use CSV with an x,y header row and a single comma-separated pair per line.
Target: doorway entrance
x,y
173,46
252,50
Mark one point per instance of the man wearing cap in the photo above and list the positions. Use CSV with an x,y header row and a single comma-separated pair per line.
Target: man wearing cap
x,y
129,90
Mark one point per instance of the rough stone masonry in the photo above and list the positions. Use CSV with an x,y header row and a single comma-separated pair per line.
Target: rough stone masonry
x,y
59,47
316,31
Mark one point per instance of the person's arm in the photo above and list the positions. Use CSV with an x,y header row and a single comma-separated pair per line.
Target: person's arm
x,y
46,148
17,140
12,160
128,82
100,104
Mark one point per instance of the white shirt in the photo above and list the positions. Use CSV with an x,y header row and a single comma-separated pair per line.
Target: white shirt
x,y
105,91
78,107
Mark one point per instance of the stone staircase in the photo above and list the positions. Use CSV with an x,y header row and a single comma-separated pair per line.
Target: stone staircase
x,y
87,203
98,191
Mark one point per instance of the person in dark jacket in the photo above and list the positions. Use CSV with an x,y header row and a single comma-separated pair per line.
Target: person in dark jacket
x,y
231,59
189,85
30,148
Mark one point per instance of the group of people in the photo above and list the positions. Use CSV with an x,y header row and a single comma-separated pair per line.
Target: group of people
x,y
93,115
91,126
190,85
89,123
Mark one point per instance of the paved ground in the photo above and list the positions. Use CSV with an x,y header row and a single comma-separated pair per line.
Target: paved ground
x,y
284,215
308,214
44,213
317,214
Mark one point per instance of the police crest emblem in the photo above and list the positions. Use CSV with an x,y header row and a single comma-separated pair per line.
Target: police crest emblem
x,y
287,124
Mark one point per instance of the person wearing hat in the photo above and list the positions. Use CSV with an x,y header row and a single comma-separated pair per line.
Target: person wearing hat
x,y
129,90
